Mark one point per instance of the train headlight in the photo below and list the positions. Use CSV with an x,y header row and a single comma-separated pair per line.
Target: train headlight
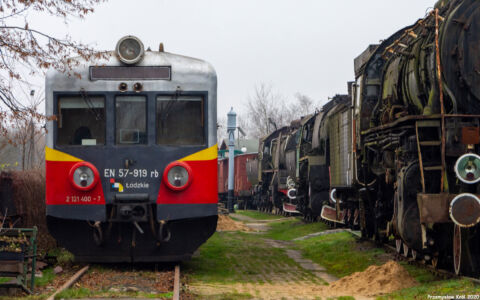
x,y
465,210
177,176
130,49
84,176
467,168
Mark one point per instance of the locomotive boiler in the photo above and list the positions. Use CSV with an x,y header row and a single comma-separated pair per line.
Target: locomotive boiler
x,y
131,157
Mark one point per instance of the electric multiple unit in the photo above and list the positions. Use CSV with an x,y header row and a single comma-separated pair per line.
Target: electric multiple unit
x,y
131,157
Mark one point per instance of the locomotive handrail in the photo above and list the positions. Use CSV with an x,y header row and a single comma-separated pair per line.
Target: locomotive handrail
x,y
415,118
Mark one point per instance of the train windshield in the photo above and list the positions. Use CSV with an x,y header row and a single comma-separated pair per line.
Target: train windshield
x,y
81,120
131,120
180,120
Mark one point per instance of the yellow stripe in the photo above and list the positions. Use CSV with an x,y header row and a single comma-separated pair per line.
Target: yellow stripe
x,y
206,154
55,155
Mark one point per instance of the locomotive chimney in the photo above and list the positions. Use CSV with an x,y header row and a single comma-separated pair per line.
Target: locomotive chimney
x,y
349,86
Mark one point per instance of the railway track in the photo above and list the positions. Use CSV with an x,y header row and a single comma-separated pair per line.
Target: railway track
x,y
76,277
176,283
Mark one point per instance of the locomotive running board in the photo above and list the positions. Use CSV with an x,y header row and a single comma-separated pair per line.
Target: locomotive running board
x,y
290,208
330,214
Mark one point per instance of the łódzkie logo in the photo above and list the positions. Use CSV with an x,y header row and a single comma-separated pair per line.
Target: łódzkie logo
x,y
116,185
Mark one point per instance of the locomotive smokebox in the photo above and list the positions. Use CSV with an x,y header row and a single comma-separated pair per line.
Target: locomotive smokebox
x,y
459,39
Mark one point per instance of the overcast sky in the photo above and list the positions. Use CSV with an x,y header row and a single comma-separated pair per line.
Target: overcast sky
x,y
304,46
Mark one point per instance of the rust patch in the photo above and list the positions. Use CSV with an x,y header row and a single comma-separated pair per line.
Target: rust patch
x,y
434,208
470,135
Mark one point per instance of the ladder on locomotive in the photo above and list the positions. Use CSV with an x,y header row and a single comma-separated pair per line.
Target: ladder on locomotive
x,y
429,135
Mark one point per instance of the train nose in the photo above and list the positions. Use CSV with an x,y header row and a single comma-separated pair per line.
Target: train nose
x,y
465,210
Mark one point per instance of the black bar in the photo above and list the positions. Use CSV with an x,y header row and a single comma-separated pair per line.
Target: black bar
x,y
230,201
130,73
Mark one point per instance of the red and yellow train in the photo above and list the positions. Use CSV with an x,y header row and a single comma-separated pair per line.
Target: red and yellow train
x,y
131,157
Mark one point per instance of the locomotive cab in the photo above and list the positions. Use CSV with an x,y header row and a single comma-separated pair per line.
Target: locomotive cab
x,y
131,157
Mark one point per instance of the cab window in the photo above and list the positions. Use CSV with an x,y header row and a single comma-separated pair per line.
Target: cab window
x,y
180,120
131,120
81,120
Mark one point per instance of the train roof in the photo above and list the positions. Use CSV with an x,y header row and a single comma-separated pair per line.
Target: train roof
x,y
307,118
195,71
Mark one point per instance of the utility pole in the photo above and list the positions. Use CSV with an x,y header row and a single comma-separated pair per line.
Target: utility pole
x,y
231,126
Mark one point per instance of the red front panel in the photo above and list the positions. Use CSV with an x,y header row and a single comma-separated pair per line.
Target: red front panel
x,y
60,191
202,190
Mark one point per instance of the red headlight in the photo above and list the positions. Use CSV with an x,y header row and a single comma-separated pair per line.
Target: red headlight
x,y
84,176
177,176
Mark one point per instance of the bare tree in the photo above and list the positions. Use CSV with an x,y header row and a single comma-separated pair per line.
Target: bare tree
x,y
302,106
24,132
221,129
25,48
265,111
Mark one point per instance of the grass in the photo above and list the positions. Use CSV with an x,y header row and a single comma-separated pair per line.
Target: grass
x,y
293,228
338,254
233,257
74,293
4,279
257,215
62,255
84,292
437,288
420,274
47,276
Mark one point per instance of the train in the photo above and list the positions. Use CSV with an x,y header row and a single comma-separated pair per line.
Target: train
x,y
398,156
242,189
131,155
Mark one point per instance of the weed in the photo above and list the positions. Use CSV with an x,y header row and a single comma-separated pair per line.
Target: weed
x,y
84,292
257,215
47,276
64,257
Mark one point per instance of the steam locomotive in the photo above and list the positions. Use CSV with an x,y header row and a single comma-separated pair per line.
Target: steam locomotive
x,y
399,156
131,157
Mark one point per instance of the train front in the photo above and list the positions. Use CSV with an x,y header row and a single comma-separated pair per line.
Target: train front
x,y
131,157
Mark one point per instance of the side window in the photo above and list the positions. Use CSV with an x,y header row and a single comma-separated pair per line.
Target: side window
x,y
180,120
81,120
130,120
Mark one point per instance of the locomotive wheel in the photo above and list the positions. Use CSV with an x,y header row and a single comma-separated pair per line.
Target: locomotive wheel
x,y
464,261
398,246
406,250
